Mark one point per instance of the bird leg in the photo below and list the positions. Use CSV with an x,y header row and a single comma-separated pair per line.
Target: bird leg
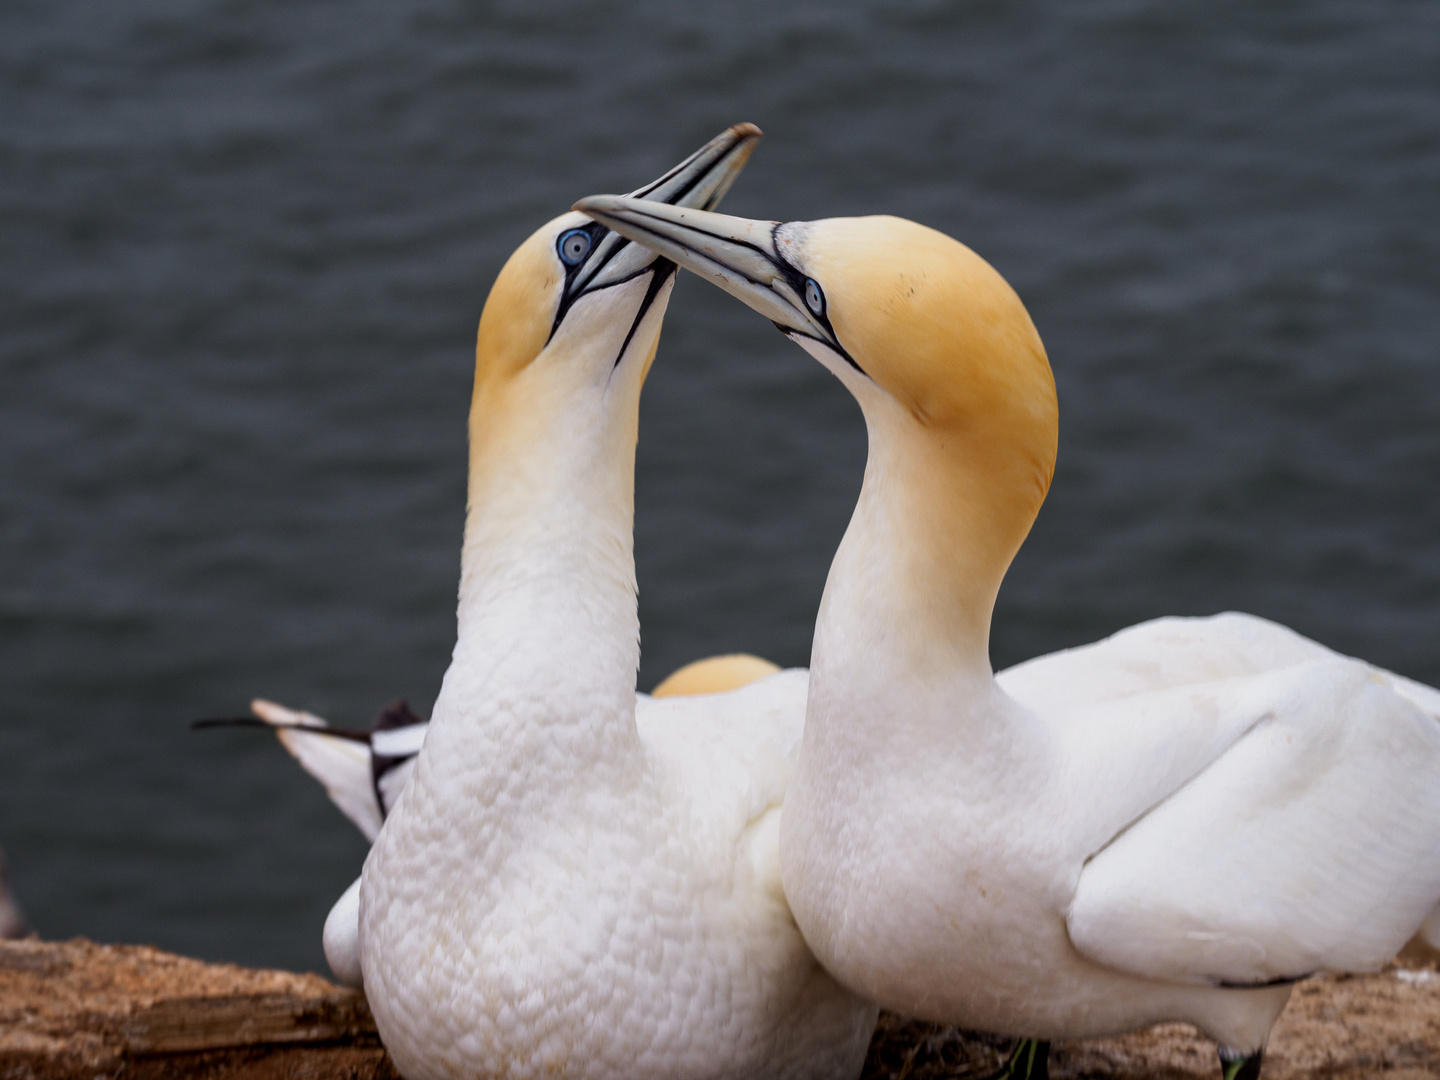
x,y
1028,1061
1239,1066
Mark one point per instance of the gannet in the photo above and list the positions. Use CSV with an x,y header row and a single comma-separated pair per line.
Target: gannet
x,y
579,881
1175,823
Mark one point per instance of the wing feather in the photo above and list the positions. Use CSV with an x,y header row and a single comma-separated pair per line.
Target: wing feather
x,y
1308,845
341,765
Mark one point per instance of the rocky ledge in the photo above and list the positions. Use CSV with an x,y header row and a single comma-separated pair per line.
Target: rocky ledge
x,y
80,1011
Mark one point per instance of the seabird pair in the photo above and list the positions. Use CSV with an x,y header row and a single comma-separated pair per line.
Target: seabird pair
x,y
1174,823
576,879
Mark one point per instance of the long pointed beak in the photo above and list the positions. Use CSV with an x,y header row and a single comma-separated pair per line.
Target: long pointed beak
x,y
737,254
704,177
700,180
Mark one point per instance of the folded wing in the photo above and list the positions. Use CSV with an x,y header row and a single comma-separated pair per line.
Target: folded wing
x,y
1311,843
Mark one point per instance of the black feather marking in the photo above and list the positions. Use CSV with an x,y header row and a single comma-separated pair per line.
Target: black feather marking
x,y
394,716
663,269
1283,980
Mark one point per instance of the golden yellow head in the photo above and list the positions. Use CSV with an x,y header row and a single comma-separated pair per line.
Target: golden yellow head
x,y
887,304
575,289
567,336
520,310
566,339
572,278
943,358
937,327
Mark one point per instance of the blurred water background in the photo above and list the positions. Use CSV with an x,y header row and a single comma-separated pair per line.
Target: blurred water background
x,y
243,249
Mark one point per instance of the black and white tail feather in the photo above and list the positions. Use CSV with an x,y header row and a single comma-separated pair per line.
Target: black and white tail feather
x,y
362,771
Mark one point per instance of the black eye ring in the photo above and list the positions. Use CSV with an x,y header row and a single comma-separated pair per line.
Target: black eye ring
x,y
814,297
573,246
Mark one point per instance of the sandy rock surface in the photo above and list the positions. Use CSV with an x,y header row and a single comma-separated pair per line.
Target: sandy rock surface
x,y
1337,1027
76,1009
80,1011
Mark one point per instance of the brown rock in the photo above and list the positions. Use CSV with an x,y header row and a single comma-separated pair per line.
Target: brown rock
x,y
77,1009
80,1011
1340,1027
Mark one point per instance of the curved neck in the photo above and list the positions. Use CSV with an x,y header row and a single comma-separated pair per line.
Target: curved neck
x,y
548,632
941,514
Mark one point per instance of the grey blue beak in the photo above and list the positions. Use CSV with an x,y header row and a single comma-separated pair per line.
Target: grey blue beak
x,y
745,258
701,181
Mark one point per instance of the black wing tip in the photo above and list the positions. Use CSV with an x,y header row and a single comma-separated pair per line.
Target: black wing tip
x,y
253,722
397,714
1283,980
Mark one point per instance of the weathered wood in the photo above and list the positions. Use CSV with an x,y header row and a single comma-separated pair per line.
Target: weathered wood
x,y
191,1023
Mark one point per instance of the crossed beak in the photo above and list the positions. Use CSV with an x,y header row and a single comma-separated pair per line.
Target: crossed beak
x,y
740,255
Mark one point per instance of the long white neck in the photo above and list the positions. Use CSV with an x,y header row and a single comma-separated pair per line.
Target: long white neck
x,y
543,676
901,653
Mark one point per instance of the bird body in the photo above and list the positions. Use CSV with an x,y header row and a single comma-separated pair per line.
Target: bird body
x,y
1136,857
622,916
1171,824
365,772
579,880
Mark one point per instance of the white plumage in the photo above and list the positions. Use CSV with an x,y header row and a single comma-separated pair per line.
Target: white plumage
x,y
581,881
364,773
1168,824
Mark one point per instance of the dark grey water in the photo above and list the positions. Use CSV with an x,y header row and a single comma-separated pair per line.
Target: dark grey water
x,y
243,249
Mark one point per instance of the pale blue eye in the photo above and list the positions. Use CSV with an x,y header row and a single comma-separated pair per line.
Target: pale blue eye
x,y
814,298
573,246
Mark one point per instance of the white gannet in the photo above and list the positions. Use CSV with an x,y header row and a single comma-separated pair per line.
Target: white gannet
x,y
1174,823
578,880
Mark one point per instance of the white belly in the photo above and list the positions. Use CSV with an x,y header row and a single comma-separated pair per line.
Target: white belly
x,y
983,947
599,951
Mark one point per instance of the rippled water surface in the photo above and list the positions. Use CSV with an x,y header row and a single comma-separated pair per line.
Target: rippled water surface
x,y
243,249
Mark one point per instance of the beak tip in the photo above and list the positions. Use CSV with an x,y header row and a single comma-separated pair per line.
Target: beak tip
x,y
592,203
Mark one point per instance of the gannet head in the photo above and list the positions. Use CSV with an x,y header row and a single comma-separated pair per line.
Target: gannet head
x,y
952,377
574,285
560,303
881,301
567,336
